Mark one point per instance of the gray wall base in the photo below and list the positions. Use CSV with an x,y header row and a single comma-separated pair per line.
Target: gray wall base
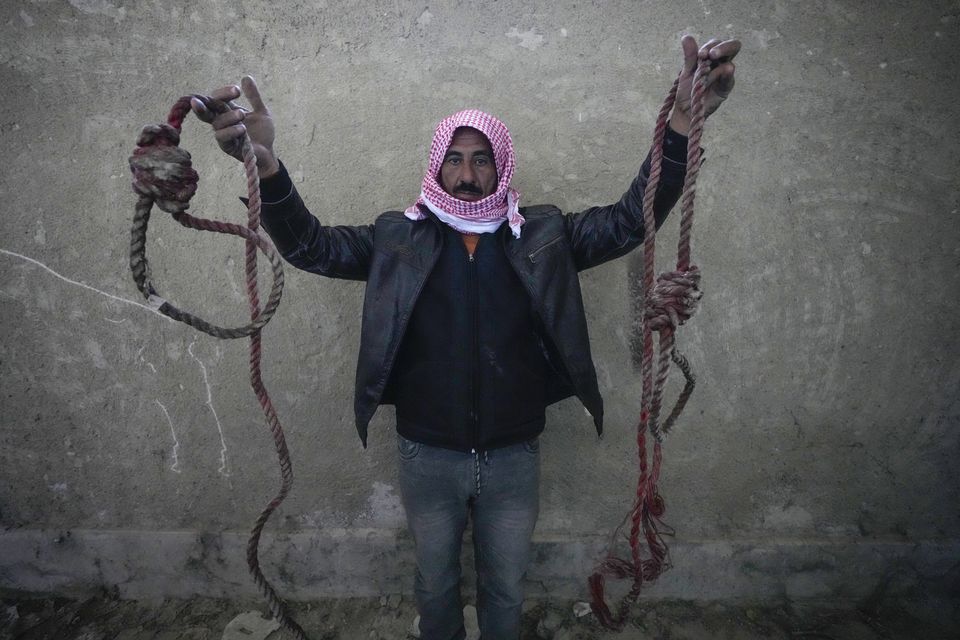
x,y
369,562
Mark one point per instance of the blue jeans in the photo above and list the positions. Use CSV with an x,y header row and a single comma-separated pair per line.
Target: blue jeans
x,y
439,488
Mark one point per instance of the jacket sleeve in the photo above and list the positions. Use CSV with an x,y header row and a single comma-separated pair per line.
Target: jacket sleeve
x,y
599,234
333,251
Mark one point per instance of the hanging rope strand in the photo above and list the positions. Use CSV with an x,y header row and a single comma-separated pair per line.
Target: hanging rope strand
x,y
163,175
668,302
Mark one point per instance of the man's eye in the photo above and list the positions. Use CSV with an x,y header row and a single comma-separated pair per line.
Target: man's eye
x,y
482,162
453,161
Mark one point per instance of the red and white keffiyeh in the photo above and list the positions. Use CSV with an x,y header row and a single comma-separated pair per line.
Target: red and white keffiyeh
x,y
482,216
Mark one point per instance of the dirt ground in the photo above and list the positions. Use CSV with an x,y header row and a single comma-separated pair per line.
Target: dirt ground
x,y
32,617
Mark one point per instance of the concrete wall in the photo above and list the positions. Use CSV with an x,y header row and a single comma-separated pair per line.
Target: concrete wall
x,y
816,457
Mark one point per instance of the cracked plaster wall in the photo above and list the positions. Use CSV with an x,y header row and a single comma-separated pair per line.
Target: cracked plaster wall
x,y
827,411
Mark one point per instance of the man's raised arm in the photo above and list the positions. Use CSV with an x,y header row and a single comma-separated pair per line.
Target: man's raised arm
x,y
336,252
603,233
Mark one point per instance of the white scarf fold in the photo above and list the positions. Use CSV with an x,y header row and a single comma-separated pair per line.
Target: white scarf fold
x,y
466,225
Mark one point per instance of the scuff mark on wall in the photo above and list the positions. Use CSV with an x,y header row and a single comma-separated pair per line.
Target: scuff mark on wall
x,y
93,349
528,39
424,18
175,467
143,361
100,7
81,284
787,517
384,506
206,382
761,38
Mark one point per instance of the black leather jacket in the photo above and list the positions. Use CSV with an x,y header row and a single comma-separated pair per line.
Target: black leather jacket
x,y
395,255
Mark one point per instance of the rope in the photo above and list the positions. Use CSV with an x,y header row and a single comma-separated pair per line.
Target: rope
x,y
163,175
669,302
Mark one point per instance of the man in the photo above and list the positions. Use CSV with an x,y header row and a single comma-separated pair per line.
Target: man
x,y
472,325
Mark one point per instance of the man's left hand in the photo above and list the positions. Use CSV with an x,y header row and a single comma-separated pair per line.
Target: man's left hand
x,y
719,82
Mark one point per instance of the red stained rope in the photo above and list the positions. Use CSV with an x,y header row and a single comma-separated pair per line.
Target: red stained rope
x,y
669,302
163,175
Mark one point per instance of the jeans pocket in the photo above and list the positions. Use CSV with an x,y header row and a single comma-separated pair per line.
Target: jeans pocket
x,y
408,448
532,445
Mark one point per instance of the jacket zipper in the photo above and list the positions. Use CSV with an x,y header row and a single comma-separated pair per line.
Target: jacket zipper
x,y
475,356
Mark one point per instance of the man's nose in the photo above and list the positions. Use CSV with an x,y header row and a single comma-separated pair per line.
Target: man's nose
x,y
468,174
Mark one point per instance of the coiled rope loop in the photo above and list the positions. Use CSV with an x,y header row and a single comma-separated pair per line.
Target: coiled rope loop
x,y
163,175
669,302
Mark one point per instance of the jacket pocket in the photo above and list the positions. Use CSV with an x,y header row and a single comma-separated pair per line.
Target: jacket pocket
x,y
553,242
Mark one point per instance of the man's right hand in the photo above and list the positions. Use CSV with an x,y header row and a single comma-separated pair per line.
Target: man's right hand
x,y
230,124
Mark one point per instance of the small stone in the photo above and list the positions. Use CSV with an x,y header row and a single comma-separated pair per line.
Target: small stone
x,y
394,600
250,626
383,601
415,628
581,609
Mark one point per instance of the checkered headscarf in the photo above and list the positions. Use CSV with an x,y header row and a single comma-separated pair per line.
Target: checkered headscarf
x,y
487,214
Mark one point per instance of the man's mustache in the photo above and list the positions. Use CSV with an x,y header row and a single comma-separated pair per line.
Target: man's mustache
x,y
469,187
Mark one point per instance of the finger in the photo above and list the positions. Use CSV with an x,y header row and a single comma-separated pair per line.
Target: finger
x,y
252,94
725,82
229,134
721,79
201,111
213,106
709,44
228,119
719,72
725,50
689,45
226,93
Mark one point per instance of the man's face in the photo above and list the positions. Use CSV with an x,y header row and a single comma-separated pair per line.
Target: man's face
x,y
468,171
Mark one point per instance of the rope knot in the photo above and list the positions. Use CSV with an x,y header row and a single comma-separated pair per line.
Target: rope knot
x,y
657,506
162,170
674,299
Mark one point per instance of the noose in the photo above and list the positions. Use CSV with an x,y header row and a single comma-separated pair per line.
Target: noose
x,y
668,303
163,175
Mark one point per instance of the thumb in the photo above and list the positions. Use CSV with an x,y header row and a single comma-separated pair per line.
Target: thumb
x,y
252,94
689,45
201,110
